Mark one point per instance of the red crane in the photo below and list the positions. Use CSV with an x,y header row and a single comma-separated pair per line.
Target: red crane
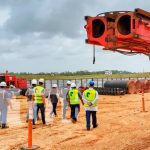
x,y
19,83
127,32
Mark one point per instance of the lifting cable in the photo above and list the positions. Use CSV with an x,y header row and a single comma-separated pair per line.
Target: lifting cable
x,y
93,54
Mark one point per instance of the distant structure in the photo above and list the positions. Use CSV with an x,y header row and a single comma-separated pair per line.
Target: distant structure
x,y
108,72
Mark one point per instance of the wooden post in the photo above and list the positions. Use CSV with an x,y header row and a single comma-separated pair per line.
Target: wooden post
x,y
58,83
102,82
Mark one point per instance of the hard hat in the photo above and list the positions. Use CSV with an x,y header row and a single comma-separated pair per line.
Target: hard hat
x,y
3,83
34,81
69,82
54,85
41,80
91,83
73,85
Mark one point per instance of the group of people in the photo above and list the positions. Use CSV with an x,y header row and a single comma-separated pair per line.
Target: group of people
x,y
89,99
36,94
71,97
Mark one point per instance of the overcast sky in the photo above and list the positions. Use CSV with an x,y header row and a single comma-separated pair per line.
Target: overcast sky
x,y
49,36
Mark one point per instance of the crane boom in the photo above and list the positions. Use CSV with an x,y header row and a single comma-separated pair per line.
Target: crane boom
x,y
126,32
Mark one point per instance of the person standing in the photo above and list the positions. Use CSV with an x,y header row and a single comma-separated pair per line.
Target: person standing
x,y
90,98
53,98
65,102
11,89
74,98
39,100
4,102
29,94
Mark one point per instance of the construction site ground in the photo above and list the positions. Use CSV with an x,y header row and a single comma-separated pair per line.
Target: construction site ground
x,y
122,126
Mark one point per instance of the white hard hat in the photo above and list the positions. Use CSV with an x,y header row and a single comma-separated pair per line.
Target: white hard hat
x,y
69,82
41,80
34,81
3,83
54,85
73,85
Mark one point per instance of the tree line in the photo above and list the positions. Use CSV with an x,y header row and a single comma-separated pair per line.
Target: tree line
x,y
69,73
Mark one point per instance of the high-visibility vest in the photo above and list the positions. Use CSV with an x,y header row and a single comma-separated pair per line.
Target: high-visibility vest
x,y
90,96
38,94
74,96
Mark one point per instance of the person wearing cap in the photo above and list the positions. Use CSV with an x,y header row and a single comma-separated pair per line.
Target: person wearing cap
x,y
5,97
90,98
74,98
53,98
29,94
39,100
65,102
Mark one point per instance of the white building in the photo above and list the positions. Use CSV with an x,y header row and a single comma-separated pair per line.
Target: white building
x,y
108,72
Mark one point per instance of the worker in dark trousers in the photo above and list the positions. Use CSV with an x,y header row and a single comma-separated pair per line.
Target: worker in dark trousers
x,y
39,100
29,94
90,98
5,98
53,98
74,98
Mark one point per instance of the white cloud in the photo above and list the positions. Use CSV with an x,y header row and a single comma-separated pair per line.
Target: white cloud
x,y
4,16
47,35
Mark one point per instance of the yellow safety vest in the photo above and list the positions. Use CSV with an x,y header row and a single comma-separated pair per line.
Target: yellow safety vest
x,y
90,96
74,97
38,94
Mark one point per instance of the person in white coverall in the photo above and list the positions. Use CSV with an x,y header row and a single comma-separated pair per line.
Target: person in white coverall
x,y
64,96
4,102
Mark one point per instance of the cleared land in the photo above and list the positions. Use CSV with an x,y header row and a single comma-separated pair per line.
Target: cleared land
x,y
122,126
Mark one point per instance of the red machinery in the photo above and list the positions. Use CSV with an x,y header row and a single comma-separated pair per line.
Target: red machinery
x,y
126,32
13,80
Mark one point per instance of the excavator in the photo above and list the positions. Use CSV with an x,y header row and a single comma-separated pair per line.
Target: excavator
x,y
126,32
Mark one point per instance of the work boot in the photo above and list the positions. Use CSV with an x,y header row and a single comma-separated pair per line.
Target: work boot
x,y
95,126
73,120
56,115
88,129
4,126
33,126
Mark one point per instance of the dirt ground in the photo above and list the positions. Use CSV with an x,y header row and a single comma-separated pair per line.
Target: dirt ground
x,y
122,126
